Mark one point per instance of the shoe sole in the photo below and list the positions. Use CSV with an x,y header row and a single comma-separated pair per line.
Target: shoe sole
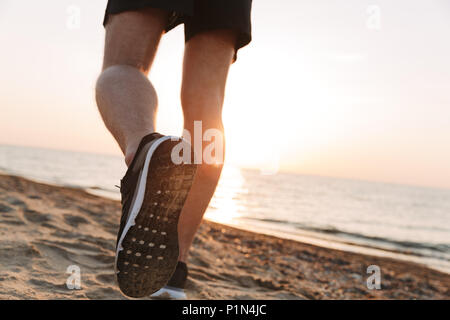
x,y
147,252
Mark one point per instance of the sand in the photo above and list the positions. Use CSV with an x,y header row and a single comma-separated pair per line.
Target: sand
x,y
45,229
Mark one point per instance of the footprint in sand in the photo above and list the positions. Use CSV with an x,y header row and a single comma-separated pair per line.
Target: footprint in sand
x,y
35,217
106,278
251,282
16,202
5,209
8,216
74,221
15,256
12,222
48,286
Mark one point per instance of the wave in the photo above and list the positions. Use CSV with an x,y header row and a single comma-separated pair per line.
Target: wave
x,y
439,247
443,248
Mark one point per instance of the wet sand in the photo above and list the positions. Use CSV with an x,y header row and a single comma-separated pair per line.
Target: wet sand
x,y
45,229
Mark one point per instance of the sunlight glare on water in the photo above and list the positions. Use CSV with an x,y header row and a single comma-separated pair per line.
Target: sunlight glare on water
x,y
224,207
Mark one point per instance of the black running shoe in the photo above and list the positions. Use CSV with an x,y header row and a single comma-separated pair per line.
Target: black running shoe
x,y
153,190
175,287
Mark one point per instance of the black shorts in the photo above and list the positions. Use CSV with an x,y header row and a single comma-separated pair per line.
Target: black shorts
x,y
197,15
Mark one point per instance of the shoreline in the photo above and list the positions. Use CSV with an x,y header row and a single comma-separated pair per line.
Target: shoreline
x,y
348,246
338,239
324,240
56,227
314,238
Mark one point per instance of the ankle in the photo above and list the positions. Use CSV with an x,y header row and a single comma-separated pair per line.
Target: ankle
x,y
131,149
182,257
129,158
132,145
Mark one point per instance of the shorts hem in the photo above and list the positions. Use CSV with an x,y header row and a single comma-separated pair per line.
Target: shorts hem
x,y
177,12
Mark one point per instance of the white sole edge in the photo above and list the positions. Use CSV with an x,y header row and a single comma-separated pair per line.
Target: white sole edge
x,y
169,293
139,199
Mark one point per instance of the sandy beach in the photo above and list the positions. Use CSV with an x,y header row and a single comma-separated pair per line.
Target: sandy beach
x,y
45,229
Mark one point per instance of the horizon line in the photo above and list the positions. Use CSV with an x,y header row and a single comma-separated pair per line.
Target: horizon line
x,y
245,167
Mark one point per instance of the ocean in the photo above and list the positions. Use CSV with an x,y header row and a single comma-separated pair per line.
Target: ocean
x,y
399,221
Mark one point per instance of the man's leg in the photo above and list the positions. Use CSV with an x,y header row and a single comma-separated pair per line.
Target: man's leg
x,y
207,59
125,97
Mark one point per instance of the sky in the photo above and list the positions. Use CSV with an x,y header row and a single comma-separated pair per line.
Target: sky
x,y
346,88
